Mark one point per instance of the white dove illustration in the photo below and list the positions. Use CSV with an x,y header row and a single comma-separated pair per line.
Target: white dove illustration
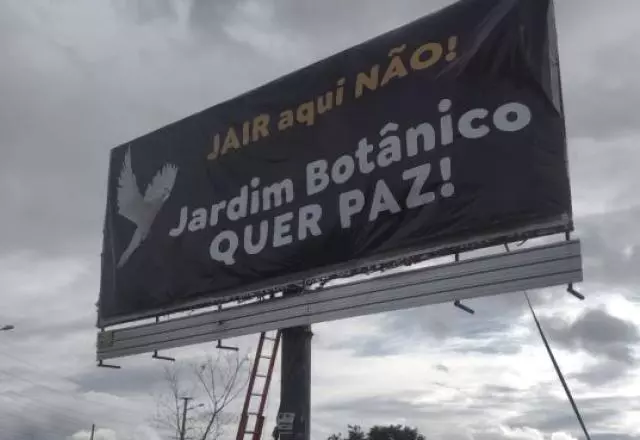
x,y
142,210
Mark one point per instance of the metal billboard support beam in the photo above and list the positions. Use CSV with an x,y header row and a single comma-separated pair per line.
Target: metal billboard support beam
x,y
294,415
156,355
574,292
457,303
101,364
220,346
462,307
162,358
523,269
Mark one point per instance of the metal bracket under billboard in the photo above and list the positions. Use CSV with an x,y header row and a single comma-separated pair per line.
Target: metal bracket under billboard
x,y
531,268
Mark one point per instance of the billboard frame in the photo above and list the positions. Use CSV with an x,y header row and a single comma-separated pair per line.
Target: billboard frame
x,y
534,267
562,224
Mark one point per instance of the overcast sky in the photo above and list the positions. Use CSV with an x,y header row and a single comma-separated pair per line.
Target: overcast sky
x,y
79,77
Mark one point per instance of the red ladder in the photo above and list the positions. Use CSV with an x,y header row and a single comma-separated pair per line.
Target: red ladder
x,y
253,389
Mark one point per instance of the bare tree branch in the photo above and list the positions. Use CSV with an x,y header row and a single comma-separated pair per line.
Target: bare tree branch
x,y
213,384
231,390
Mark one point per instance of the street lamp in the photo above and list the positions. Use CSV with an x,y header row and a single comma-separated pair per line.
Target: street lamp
x,y
7,328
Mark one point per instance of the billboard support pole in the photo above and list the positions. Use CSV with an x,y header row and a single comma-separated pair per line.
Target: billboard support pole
x,y
295,389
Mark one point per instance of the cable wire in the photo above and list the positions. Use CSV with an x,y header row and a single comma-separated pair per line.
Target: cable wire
x,y
65,379
55,400
557,368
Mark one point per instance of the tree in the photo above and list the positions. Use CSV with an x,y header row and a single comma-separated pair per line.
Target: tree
x,y
379,432
394,432
212,386
354,432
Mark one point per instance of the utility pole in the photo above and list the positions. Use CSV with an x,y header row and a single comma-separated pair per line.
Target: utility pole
x,y
184,417
294,416
93,430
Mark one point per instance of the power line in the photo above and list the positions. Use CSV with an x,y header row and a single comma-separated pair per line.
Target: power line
x,y
61,423
53,415
53,408
66,379
13,433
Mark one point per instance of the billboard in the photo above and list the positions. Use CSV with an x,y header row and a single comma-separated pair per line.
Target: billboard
x,y
445,133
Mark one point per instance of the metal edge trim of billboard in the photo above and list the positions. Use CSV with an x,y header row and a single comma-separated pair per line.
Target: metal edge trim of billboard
x,y
532,268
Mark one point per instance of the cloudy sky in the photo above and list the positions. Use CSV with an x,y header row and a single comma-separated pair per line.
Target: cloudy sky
x,y
79,77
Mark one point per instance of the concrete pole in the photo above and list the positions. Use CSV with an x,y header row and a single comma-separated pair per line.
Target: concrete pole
x,y
295,391
183,429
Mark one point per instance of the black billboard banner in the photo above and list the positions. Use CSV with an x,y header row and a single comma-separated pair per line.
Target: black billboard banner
x,y
445,131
